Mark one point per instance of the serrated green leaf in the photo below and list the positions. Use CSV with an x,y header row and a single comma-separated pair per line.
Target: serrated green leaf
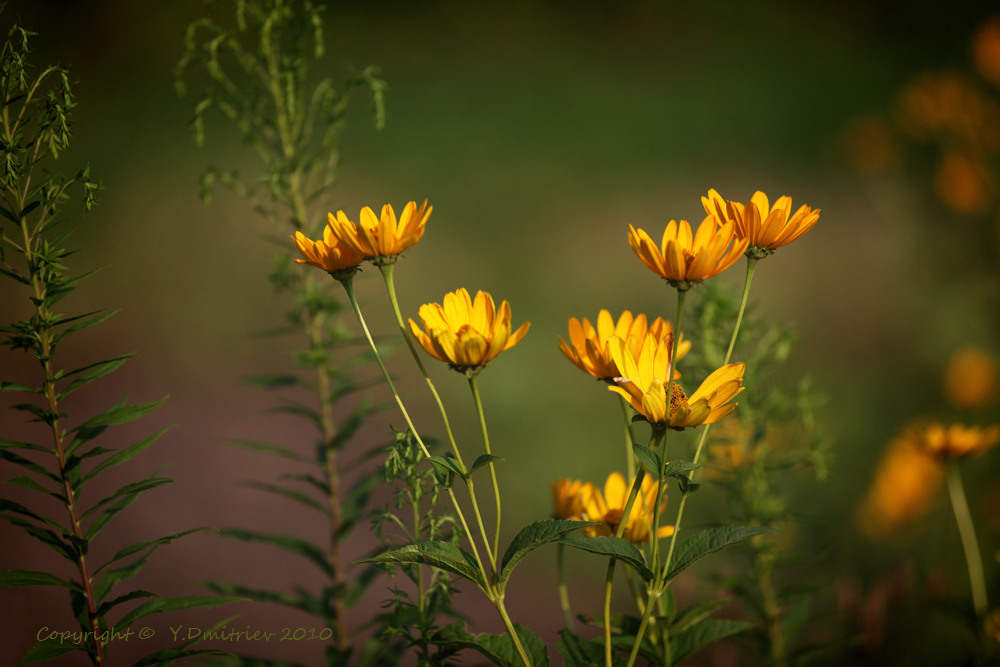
x,y
615,547
160,605
577,652
296,545
482,460
134,595
707,542
288,493
448,463
125,454
692,640
533,536
499,649
15,578
270,448
134,488
696,613
678,468
441,555
48,649
648,457
101,369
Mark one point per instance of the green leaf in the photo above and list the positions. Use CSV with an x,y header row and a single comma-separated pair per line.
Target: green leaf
x,y
59,545
125,454
614,547
16,276
134,488
46,650
112,577
288,493
694,639
707,542
8,455
269,448
120,415
15,386
102,368
446,463
15,578
441,555
696,613
533,536
134,595
14,444
258,595
648,457
482,460
160,605
86,323
678,468
578,652
296,545
28,483
105,516
139,546
11,506
499,649
275,381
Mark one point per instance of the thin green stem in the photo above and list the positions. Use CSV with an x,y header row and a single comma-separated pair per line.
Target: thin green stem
x,y
348,284
609,582
511,631
629,454
563,589
420,568
967,530
751,265
493,471
387,275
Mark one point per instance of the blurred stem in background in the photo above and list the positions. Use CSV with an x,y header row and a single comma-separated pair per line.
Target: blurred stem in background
x,y
967,529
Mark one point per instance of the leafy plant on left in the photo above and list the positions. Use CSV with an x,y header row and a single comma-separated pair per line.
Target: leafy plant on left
x,y
36,127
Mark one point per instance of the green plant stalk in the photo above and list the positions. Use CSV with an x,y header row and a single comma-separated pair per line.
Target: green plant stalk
x,y
967,530
495,596
387,275
493,471
420,568
629,454
57,433
563,590
772,609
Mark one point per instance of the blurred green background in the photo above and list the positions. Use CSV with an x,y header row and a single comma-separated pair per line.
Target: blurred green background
x,y
538,131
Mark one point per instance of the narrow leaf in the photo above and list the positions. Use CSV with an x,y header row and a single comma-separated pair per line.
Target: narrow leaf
x,y
28,483
16,386
134,595
15,578
296,545
125,454
160,605
120,415
139,546
269,448
288,493
134,488
47,650
102,368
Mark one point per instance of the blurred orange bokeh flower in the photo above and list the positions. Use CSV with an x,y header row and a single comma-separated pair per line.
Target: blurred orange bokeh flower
x,y
986,50
643,384
905,483
330,254
588,347
971,379
961,183
609,508
383,237
869,144
954,442
683,258
466,334
763,226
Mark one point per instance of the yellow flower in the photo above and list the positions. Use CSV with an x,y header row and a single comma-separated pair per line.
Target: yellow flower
x,y
643,383
464,334
382,239
684,259
971,379
765,227
330,254
567,497
609,509
956,441
590,352
905,483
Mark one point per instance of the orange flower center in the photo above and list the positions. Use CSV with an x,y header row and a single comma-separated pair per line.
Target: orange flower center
x,y
677,398
613,518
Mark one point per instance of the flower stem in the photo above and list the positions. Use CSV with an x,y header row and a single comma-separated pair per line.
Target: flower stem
x,y
629,454
348,284
966,528
563,590
390,286
609,582
751,265
511,631
493,470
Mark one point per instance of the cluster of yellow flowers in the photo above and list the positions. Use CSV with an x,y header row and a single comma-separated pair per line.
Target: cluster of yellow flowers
x,y
577,500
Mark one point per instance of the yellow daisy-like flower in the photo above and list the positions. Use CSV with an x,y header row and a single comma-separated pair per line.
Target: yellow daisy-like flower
x,y
765,227
588,347
382,239
609,509
956,441
643,383
685,259
567,497
466,334
330,254
905,484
